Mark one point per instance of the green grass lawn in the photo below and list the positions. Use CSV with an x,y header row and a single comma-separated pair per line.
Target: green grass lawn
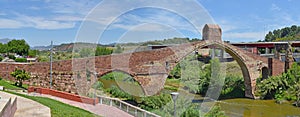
x,y
58,109
10,85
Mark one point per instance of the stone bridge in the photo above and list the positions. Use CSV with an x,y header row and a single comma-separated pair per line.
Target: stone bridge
x,y
149,68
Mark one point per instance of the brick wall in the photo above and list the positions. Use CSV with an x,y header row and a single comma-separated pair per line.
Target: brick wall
x,y
64,95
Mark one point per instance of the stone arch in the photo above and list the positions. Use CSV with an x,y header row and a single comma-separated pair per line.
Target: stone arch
x,y
114,70
229,49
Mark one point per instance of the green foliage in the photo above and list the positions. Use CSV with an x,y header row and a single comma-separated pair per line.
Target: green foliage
x,y
3,48
233,87
9,85
118,93
59,109
20,76
33,53
215,112
283,87
86,52
98,85
1,58
117,76
11,57
18,46
176,72
118,49
284,34
155,102
21,60
103,51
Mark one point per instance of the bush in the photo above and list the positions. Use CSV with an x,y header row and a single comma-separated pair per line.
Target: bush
x,y
21,60
1,58
118,93
11,57
154,102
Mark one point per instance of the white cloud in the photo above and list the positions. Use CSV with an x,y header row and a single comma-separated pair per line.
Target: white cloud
x,y
34,8
274,7
250,36
34,22
42,23
8,23
68,18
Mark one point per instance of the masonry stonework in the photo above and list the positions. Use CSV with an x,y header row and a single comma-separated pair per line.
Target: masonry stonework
x,y
149,68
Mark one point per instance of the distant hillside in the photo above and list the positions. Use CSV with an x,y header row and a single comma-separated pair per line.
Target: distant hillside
x,y
5,40
69,47
161,42
79,45
41,48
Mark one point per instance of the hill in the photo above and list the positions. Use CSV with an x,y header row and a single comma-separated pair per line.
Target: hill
x,y
5,40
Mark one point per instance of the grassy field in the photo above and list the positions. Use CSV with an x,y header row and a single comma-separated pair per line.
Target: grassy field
x,y
10,85
58,109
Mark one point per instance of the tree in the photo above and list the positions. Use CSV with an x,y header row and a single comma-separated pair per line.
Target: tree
x,y
33,53
18,46
118,49
20,76
284,34
103,51
86,52
3,48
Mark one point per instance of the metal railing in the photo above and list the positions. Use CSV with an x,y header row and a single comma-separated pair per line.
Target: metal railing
x,y
126,107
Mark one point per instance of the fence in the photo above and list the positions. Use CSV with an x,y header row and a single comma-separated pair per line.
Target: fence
x,y
130,109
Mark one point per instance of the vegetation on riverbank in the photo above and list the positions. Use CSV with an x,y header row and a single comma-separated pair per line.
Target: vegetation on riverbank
x,y
190,75
284,87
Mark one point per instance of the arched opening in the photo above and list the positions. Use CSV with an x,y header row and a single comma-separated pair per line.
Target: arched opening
x,y
120,84
265,73
246,82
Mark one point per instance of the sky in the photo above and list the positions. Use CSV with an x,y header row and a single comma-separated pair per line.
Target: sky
x,y
111,21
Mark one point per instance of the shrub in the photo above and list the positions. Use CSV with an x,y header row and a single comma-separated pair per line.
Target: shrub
x,y
118,93
11,57
21,60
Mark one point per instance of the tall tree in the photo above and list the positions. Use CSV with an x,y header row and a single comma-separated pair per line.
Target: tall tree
x,y
20,76
18,46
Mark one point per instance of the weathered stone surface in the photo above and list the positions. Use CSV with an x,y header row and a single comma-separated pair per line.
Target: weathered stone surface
x,y
149,68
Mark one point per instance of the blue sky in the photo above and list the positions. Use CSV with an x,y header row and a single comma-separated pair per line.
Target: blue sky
x,y
40,21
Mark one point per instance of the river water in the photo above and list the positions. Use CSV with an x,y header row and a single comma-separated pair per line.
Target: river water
x,y
258,108
243,107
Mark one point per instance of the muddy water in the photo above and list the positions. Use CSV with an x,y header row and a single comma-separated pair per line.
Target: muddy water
x,y
240,107
258,108
244,107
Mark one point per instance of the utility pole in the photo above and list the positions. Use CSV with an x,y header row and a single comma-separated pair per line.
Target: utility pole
x,y
51,51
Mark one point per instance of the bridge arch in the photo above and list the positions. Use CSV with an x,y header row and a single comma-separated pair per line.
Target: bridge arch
x,y
241,60
133,88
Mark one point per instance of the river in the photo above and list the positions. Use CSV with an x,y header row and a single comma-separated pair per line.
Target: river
x,y
243,107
